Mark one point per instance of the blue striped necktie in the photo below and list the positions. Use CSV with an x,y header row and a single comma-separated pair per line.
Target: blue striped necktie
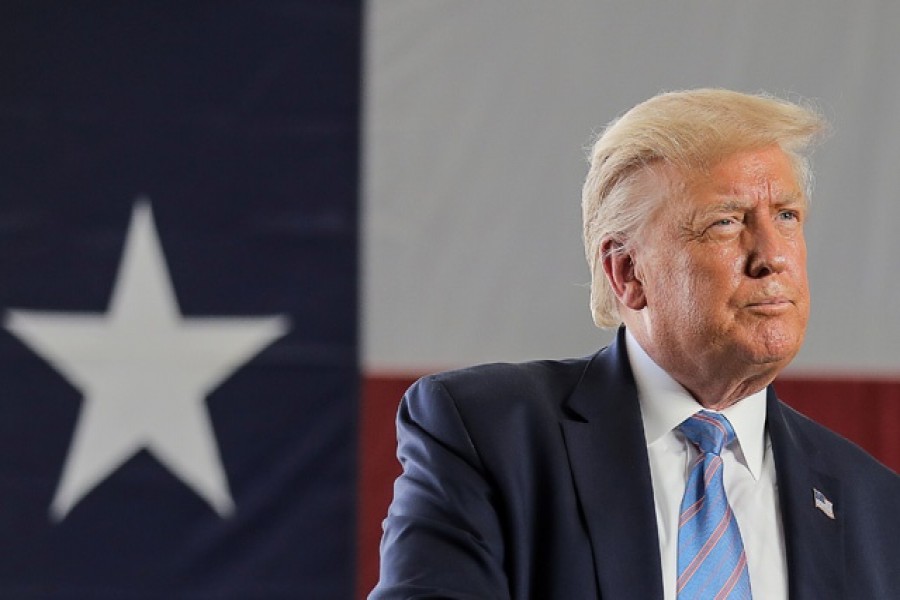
x,y
711,559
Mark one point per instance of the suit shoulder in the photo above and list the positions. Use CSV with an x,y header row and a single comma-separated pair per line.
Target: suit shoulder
x,y
499,391
525,381
842,453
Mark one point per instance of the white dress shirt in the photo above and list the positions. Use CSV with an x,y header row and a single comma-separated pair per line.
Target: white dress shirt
x,y
749,474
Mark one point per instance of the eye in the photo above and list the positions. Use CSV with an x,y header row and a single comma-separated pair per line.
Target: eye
x,y
789,215
727,221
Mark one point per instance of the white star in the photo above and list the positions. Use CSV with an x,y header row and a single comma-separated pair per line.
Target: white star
x,y
144,372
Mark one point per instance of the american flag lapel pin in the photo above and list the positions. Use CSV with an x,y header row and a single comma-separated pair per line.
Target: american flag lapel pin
x,y
823,503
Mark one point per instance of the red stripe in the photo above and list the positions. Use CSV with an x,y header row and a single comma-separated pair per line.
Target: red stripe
x,y
691,511
733,578
714,422
705,550
378,468
714,464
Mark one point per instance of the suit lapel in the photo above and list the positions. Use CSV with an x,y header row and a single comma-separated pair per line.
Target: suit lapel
x,y
608,458
813,539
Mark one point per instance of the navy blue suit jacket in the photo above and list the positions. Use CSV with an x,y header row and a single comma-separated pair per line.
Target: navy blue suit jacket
x,y
532,481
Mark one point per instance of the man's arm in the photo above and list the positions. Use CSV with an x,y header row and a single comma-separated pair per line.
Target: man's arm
x,y
442,536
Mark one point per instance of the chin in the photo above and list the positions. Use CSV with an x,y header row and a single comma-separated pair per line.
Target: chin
x,y
775,344
779,350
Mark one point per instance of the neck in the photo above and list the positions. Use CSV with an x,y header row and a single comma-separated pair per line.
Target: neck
x,y
721,396
714,384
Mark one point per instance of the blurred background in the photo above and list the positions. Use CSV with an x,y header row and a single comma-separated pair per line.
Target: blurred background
x,y
232,233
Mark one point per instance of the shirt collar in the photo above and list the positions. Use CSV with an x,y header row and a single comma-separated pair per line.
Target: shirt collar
x,y
665,404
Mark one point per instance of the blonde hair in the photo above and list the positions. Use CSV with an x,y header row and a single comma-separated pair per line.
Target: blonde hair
x,y
691,131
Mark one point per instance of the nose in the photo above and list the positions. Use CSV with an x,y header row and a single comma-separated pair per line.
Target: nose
x,y
768,250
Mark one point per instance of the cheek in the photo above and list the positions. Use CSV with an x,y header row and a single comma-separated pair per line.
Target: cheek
x,y
803,297
717,275
690,293
708,293
799,274
798,254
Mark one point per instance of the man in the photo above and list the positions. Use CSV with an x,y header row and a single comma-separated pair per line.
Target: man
x,y
597,478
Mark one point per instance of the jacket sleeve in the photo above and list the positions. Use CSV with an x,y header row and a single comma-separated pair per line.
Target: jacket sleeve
x,y
443,532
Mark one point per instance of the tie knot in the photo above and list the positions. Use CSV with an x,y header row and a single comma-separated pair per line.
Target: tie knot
x,y
709,431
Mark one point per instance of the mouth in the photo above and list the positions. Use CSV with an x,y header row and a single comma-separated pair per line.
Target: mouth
x,y
770,306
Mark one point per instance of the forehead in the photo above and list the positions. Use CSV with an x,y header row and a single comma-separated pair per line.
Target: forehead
x,y
750,175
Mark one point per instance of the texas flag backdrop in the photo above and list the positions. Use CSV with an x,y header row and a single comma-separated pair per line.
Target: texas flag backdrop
x,y
178,283
232,233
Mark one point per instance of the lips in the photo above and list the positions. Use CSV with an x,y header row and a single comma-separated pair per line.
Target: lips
x,y
772,294
770,301
771,307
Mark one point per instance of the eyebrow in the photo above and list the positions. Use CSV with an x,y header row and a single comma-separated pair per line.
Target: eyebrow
x,y
791,199
732,203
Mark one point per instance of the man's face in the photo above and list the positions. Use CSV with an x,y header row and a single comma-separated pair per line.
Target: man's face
x,y
723,269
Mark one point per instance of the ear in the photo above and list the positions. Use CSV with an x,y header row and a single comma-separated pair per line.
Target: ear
x,y
622,275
